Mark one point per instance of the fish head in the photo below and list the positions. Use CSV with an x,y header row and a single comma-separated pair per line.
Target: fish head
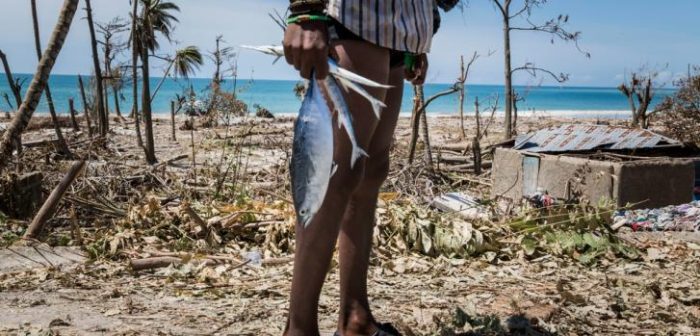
x,y
305,215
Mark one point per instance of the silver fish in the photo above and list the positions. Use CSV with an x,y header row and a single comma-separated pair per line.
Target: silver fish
x,y
344,118
311,166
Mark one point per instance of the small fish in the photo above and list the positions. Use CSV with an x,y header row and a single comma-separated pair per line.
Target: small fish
x,y
344,118
311,166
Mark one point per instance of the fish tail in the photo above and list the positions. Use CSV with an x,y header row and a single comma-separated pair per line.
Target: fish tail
x,y
377,107
357,153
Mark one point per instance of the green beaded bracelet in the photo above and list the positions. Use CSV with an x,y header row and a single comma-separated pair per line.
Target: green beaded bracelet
x,y
307,18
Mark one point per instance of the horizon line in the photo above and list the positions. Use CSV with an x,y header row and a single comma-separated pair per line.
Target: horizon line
x,y
577,86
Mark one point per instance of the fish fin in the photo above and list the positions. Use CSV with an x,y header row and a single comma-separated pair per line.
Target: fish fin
x,y
341,121
377,105
351,76
357,153
334,169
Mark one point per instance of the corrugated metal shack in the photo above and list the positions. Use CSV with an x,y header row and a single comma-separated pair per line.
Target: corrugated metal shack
x,y
597,162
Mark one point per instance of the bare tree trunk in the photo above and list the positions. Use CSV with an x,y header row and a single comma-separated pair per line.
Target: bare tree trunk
x,y
135,73
117,108
85,105
418,108
515,115
72,115
425,130
162,80
62,145
106,98
415,126
99,104
508,72
172,118
146,104
47,210
108,74
11,80
15,92
462,132
39,82
476,141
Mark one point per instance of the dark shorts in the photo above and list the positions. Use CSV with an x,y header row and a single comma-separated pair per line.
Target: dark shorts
x,y
338,32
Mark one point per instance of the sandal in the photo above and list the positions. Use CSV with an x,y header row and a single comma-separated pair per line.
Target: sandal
x,y
385,329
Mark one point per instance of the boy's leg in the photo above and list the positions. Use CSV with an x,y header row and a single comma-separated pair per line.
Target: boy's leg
x,y
314,244
358,222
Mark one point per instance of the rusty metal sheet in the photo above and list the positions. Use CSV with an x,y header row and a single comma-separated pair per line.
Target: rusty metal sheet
x,y
572,138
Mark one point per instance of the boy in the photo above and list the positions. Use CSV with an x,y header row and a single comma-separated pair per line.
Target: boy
x,y
375,39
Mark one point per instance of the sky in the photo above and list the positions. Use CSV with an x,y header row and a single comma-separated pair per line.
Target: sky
x,y
621,35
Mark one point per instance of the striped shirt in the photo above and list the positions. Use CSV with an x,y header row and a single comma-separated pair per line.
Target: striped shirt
x,y
403,25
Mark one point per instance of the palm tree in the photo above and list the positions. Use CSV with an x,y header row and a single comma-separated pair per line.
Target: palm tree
x,y
185,62
39,82
156,18
63,146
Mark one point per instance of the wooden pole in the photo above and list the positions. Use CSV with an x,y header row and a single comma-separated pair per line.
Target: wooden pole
x,y
85,105
72,115
47,210
172,118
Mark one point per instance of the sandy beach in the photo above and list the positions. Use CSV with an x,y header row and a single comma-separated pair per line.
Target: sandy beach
x,y
420,294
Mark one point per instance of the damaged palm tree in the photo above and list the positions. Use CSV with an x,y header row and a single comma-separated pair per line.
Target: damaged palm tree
x,y
156,19
39,82
60,140
185,62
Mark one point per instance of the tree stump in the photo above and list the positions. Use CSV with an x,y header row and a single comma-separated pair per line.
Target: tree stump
x,y
21,196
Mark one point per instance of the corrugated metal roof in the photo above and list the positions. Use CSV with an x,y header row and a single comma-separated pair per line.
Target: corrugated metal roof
x,y
572,138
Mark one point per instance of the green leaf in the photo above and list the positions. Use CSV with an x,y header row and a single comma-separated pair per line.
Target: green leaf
x,y
529,245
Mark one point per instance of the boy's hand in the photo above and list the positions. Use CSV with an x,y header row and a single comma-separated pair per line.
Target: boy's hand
x,y
416,75
306,48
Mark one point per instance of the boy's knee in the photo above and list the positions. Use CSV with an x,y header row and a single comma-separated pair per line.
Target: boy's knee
x,y
376,171
347,180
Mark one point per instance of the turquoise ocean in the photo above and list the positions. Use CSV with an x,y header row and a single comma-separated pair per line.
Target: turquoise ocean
x,y
278,97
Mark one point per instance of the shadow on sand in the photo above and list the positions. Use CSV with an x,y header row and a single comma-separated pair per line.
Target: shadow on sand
x,y
491,325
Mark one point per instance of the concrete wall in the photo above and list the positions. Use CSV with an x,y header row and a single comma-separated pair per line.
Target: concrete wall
x,y
657,182
507,174
565,177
